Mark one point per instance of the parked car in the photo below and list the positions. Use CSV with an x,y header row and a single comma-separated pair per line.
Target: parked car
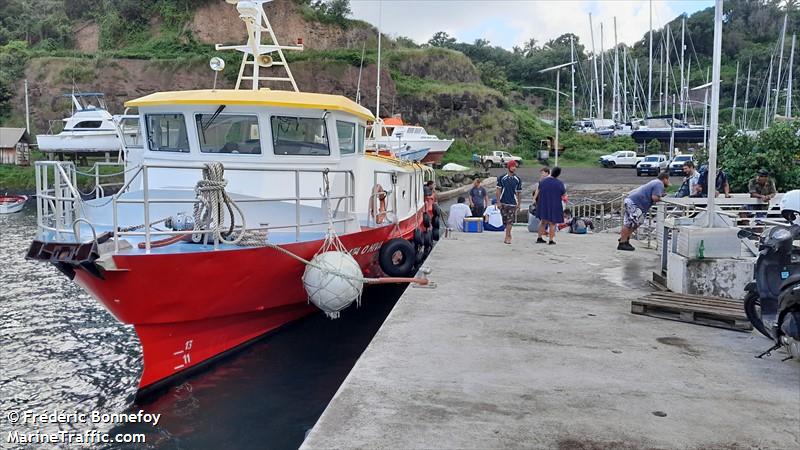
x,y
621,158
498,159
676,165
652,165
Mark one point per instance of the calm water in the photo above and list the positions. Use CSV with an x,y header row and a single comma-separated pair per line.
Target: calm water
x,y
61,350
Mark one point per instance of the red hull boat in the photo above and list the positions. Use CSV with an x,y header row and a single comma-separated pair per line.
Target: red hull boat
x,y
231,211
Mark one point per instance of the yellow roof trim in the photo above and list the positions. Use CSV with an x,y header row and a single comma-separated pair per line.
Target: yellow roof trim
x,y
263,97
395,161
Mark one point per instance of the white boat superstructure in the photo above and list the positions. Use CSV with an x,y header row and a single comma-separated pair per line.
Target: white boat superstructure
x,y
411,140
91,128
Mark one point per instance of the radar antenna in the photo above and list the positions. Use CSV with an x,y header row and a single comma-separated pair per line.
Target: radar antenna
x,y
256,54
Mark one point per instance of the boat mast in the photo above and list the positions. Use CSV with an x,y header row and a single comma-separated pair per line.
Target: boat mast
x,y
747,94
616,108
769,89
360,69
650,66
635,85
602,106
594,63
572,71
661,77
378,83
780,66
625,83
788,112
667,68
683,80
735,90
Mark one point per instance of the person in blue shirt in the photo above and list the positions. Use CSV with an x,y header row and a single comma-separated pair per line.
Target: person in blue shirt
x,y
509,188
636,205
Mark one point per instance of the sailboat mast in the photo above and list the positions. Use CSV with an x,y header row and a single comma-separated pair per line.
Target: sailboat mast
x,y
572,71
788,112
660,77
616,109
650,67
635,85
780,66
667,68
683,80
602,105
594,63
747,94
735,90
625,83
769,91
712,149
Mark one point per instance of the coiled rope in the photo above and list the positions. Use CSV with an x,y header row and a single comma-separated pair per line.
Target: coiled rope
x,y
208,212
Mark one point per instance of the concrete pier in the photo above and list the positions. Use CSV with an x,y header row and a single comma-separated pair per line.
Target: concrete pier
x,y
534,346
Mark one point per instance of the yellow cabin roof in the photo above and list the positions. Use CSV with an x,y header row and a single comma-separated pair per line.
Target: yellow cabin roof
x,y
262,97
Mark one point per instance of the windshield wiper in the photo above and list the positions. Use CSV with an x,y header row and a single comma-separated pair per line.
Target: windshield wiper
x,y
213,118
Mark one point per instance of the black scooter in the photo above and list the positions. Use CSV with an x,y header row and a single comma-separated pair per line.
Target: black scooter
x,y
772,303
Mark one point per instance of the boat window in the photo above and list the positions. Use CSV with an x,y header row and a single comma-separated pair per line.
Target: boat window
x,y
167,133
346,132
89,124
228,133
362,133
299,136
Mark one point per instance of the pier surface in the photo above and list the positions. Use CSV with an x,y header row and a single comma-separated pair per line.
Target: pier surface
x,y
534,346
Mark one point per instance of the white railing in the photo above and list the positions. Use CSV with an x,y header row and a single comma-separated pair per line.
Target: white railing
x,y
60,204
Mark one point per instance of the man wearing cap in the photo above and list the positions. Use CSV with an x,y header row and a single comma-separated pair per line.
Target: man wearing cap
x,y
762,187
509,188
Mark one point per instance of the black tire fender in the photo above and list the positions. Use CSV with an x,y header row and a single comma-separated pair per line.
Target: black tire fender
x,y
408,258
427,239
426,220
418,236
435,234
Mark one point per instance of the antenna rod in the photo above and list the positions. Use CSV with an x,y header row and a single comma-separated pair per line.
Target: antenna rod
x,y
360,68
650,66
789,81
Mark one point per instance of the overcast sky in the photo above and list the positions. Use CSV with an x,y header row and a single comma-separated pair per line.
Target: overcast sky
x,y
508,23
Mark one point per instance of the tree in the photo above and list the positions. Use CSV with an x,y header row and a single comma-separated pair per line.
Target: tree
x,y
529,47
441,39
653,147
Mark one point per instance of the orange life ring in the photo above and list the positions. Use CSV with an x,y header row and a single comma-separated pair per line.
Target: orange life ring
x,y
380,193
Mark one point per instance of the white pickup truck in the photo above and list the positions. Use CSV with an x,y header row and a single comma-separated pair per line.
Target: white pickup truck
x,y
621,158
498,159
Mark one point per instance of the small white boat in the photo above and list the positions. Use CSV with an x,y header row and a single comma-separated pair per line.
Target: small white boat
x,y
411,154
10,204
90,129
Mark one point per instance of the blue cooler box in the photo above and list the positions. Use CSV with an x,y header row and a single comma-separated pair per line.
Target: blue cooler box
x,y
473,225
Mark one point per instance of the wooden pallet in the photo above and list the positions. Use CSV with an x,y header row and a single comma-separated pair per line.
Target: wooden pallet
x,y
709,311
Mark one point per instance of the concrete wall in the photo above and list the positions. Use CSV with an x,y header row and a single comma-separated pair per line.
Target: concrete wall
x,y
724,277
